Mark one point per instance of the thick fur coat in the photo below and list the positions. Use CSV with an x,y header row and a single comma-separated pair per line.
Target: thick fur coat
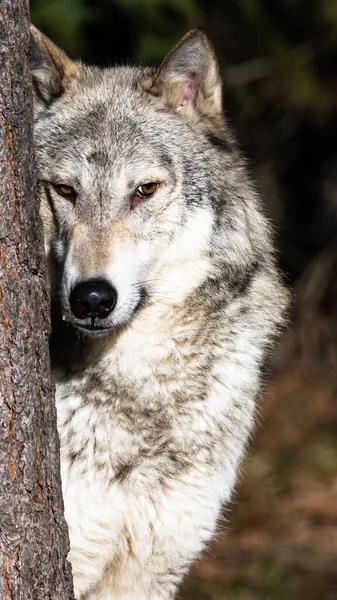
x,y
142,187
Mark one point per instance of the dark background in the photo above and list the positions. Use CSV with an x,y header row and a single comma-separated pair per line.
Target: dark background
x,y
278,59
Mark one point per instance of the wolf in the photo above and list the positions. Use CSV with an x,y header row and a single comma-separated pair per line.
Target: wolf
x,y
166,300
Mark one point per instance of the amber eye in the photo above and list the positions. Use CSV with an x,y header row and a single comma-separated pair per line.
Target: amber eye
x,y
143,192
66,191
147,189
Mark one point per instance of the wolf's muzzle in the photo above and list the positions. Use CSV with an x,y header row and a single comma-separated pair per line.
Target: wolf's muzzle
x,y
94,298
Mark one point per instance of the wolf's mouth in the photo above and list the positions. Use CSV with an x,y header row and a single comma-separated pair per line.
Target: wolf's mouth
x,y
93,330
92,327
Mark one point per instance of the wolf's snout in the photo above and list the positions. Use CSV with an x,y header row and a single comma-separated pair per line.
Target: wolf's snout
x,y
93,298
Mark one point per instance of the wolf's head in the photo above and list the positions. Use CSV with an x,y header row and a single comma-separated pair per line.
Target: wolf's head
x,y
134,166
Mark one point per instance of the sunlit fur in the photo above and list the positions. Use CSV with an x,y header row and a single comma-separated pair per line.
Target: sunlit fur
x,y
155,409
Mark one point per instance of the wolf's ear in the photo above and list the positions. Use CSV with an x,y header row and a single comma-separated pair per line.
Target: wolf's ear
x,y
51,69
188,79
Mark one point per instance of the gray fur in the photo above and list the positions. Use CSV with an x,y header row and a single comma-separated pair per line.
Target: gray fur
x,y
154,416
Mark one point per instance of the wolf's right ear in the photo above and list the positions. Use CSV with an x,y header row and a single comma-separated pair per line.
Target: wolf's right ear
x,y
52,70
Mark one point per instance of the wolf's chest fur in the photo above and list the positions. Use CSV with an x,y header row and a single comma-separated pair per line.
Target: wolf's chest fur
x,y
138,410
136,426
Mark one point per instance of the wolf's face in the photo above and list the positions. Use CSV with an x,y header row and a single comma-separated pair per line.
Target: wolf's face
x,y
122,188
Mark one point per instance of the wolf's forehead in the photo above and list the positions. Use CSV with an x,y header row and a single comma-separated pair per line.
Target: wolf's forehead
x,y
107,103
109,145
99,136
98,125
116,150
103,123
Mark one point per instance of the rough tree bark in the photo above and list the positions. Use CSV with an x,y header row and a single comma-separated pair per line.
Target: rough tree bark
x,y
33,533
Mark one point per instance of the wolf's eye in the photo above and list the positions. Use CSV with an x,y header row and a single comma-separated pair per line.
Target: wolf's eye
x,y
66,191
147,189
143,192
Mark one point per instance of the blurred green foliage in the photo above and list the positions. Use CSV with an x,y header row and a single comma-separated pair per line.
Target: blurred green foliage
x,y
155,19
63,21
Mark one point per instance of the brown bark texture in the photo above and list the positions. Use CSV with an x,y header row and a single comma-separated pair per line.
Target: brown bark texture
x,y
33,533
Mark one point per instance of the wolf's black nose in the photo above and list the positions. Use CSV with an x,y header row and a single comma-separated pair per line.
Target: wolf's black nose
x,y
93,298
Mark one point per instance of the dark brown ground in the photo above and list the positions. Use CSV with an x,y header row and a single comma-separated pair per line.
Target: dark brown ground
x,y
279,540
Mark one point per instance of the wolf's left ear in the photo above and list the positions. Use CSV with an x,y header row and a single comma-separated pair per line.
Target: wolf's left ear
x,y
52,70
188,79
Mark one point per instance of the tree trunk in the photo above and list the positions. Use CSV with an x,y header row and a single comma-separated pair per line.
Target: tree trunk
x,y
33,534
